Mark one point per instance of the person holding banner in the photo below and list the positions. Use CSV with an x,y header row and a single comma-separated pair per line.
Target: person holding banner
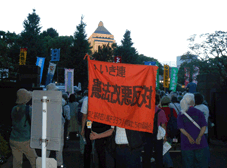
x,y
85,133
99,133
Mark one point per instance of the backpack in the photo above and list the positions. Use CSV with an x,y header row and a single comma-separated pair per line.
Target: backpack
x,y
79,114
147,135
155,126
171,128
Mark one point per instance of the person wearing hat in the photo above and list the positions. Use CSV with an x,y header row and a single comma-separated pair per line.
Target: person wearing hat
x,y
165,101
21,130
59,154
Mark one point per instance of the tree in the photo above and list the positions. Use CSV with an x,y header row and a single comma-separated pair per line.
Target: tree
x,y
9,50
105,53
64,43
212,52
79,49
126,51
49,32
142,58
30,38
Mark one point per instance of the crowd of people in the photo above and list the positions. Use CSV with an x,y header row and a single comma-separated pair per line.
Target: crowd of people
x,y
179,116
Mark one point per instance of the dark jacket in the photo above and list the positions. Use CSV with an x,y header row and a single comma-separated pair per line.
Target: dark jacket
x,y
135,139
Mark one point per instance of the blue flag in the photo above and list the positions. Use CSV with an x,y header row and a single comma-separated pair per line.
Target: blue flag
x,y
40,62
149,63
55,54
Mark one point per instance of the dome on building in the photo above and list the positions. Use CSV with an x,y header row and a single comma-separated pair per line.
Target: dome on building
x,y
101,29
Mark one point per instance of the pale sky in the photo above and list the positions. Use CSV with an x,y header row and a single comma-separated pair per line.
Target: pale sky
x,y
159,29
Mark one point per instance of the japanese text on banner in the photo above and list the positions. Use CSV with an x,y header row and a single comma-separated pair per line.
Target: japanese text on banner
x,y
122,95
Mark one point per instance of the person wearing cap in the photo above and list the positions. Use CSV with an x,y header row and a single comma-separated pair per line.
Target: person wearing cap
x,y
165,101
194,147
59,154
21,130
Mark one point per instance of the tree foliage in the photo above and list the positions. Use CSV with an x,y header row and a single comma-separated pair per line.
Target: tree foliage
x,y
49,32
72,50
105,53
30,38
126,51
212,52
79,49
142,58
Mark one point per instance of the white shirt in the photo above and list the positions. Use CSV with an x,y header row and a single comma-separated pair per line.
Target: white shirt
x,y
84,107
121,137
205,110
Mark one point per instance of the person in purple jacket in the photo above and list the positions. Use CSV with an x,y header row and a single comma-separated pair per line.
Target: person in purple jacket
x,y
194,146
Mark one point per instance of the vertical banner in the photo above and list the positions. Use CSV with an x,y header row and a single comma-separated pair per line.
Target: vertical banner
x,y
23,56
166,76
40,62
50,74
157,76
186,76
117,59
122,95
173,79
55,54
69,80
195,74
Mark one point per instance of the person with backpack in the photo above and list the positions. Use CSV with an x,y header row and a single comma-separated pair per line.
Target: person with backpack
x,y
175,104
171,127
151,141
21,130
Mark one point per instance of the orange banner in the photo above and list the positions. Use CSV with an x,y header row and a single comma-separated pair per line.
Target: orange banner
x,y
23,55
122,95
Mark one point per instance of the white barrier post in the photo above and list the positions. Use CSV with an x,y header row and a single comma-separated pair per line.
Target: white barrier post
x,y
44,131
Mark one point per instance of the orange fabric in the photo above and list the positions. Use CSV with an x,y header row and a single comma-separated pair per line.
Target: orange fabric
x,y
122,95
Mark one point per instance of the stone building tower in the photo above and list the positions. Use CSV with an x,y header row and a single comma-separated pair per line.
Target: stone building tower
x,y
100,36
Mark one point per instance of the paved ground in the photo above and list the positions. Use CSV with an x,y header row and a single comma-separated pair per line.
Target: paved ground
x,y
73,158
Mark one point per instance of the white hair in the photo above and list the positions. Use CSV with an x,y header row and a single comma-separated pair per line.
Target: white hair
x,y
186,101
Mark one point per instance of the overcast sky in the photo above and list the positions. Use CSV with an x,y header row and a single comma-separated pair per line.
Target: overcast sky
x,y
159,29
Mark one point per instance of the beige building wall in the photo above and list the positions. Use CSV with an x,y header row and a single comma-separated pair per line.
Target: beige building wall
x,y
99,37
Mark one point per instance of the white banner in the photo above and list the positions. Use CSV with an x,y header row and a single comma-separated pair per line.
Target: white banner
x,y
69,80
